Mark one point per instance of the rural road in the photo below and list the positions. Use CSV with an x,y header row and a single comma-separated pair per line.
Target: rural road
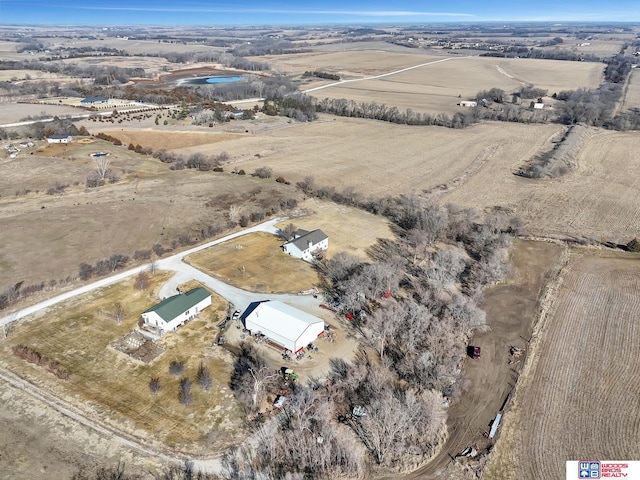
x,y
373,77
174,263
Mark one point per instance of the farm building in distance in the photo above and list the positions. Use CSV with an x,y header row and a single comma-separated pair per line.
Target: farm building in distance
x,y
285,326
468,103
89,101
175,311
538,105
59,139
305,244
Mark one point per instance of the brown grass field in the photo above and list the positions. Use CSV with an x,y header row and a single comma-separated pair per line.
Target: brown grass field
x,y
77,333
149,204
256,262
578,395
349,229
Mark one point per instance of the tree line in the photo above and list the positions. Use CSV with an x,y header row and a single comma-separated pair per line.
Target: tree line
x,y
414,306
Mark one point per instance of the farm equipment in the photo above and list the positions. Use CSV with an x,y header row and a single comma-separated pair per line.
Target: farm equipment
x,y
516,354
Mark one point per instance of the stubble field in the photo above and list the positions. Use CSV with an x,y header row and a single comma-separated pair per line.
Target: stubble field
x,y
472,167
597,200
578,397
438,87
632,94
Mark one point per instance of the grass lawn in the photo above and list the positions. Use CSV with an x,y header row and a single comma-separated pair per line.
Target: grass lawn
x,y
256,262
78,333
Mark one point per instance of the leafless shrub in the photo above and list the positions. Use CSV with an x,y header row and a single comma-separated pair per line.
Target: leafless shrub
x,y
176,367
263,172
142,281
154,385
142,254
119,313
57,189
203,377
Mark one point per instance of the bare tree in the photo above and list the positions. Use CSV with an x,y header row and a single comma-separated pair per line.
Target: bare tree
x,y
102,166
234,214
307,184
142,281
119,313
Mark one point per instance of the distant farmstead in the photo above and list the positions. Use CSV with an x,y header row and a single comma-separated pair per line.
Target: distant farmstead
x,y
305,244
59,139
468,103
285,326
89,101
175,311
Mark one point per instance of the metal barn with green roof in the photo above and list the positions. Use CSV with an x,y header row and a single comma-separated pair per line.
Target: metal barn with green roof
x,y
175,311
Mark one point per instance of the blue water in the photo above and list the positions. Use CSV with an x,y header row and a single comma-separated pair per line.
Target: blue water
x,y
223,79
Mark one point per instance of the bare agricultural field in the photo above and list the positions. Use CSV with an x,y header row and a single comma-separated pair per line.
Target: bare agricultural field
x,y
553,75
78,334
578,395
379,158
597,200
256,262
438,87
632,94
15,112
17,75
151,65
350,230
170,140
359,63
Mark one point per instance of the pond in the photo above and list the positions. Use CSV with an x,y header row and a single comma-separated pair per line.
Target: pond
x,y
210,80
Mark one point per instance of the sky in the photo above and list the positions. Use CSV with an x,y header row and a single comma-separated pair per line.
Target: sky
x,y
310,12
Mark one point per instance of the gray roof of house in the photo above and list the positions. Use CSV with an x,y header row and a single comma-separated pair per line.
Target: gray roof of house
x,y
58,136
315,236
171,307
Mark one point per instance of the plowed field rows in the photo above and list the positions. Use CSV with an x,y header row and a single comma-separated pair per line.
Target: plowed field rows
x,y
579,398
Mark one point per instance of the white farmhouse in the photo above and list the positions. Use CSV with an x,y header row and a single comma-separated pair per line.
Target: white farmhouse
x,y
468,103
538,105
59,138
288,327
175,311
304,244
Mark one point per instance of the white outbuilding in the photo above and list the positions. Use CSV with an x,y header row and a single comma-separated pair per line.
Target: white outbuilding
x,y
175,311
285,326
